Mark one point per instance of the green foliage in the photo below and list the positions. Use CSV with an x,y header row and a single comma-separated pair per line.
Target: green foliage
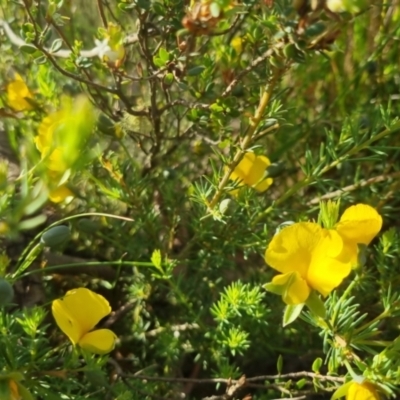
x,y
149,106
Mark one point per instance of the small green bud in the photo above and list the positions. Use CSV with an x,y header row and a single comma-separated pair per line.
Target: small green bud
x,y
6,292
56,236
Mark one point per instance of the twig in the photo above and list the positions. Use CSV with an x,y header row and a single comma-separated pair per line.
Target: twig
x,y
355,186
292,375
250,68
95,52
254,122
102,14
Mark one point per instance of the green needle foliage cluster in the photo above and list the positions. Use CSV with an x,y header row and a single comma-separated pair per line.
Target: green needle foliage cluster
x,y
150,150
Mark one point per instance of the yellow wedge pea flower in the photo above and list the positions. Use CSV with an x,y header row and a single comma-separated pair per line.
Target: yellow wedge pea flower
x,y
77,313
251,171
310,257
18,93
359,389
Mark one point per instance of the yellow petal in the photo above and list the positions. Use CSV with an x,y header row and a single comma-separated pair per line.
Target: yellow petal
x,y
17,93
86,307
46,138
100,341
60,194
66,321
264,185
257,170
296,288
359,224
56,162
362,391
242,170
292,248
330,263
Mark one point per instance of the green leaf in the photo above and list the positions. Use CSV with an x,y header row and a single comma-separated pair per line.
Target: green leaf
x,y
215,10
291,313
279,364
316,305
341,391
28,49
56,45
163,55
196,70
156,259
275,289
317,365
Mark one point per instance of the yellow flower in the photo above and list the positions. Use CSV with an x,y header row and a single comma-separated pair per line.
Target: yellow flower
x,y
17,93
251,171
361,390
237,44
77,313
308,257
359,224
60,193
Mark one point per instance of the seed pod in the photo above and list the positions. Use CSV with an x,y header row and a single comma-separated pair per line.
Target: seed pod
x,y
56,236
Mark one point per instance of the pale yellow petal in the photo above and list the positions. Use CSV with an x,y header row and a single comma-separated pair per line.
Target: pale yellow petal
x,y
87,307
292,248
100,341
359,224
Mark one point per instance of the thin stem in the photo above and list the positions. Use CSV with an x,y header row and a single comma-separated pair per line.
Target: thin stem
x,y
247,140
88,264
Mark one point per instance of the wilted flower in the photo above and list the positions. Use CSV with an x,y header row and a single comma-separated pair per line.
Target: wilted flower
x,y
77,313
311,257
18,93
251,172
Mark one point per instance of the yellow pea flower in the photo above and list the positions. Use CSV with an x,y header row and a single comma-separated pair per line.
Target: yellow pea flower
x,y
17,93
361,390
308,257
359,224
251,171
77,313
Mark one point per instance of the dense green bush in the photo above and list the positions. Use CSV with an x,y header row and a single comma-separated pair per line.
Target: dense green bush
x,y
171,157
